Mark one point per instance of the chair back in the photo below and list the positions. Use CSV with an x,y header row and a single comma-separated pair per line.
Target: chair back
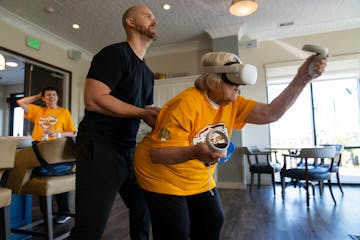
x,y
8,151
339,149
318,152
57,150
253,149
244,150
256,153
53,151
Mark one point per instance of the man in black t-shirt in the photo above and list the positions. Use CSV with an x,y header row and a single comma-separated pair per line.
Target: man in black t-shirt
x,y
118,94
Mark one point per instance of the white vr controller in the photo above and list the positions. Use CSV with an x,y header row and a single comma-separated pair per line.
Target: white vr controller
x,y
320,54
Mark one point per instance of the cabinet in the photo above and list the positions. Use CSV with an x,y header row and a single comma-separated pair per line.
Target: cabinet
x,y
166,89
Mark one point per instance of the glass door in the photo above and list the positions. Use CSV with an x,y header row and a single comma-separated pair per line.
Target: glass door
x,y
337,120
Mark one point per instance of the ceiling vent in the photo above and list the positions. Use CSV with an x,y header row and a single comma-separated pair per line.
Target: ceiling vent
x,y
286,24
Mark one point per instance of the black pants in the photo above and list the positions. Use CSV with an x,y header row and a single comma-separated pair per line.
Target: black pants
x,y
197,216
103,170
62,201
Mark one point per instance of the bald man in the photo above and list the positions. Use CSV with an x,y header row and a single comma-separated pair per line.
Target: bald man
x,y
118,93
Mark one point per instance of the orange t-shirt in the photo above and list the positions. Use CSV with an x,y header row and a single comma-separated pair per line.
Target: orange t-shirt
x,y
58,120
184,121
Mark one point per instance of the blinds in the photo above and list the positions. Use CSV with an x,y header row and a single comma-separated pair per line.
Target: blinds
x,y
338,67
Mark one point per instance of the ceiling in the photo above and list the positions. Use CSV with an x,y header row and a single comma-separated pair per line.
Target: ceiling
x,y
187,20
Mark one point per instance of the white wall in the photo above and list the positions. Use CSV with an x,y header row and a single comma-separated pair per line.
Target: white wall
x,y
52,51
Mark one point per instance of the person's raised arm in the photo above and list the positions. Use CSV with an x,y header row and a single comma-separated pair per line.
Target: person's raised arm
x,y
98,99
266,113
24,102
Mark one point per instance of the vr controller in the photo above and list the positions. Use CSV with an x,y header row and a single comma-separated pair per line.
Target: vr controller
x,y
219,142
320,54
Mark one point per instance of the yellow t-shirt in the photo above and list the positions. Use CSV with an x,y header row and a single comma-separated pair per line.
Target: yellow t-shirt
x,y
58,120
184,121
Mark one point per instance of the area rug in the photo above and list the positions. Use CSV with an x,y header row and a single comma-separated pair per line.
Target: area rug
x,y
354,237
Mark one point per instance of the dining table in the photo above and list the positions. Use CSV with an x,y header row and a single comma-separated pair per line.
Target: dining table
x,y
291,150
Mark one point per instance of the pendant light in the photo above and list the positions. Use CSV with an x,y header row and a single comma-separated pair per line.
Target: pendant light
x,y
243,7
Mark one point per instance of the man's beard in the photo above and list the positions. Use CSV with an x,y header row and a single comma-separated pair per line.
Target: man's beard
x,y
146,31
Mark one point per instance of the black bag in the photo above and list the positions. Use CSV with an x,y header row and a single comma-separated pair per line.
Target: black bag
x,y
46,169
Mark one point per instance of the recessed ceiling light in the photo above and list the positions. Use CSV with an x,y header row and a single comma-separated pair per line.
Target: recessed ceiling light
x,y
75,26
11,64
49,9
166,7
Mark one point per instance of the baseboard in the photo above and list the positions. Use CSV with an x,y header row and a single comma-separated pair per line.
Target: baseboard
x,y
231,185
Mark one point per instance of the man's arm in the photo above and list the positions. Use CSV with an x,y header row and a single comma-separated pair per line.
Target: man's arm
x,y
98,99
266,113
24,102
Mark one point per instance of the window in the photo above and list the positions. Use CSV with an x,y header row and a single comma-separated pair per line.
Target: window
x,y
327,111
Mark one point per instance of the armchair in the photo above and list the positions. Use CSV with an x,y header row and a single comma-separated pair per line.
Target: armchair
x,y
307,172
7,159
22,181
258,166
337,162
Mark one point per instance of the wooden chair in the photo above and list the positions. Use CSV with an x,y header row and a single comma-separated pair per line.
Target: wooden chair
x,y
337,162
309,173
336,165
258,166
7,159
21,180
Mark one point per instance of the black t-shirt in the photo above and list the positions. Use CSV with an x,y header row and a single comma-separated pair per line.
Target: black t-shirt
x,y
131,81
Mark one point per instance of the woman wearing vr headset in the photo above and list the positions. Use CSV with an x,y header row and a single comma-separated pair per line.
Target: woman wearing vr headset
x,y
174,164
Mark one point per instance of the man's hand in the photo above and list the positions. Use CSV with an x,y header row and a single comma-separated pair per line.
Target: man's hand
x,y
154,108
149,116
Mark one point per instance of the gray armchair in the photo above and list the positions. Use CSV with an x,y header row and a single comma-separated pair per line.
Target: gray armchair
x,y
304,175
260,163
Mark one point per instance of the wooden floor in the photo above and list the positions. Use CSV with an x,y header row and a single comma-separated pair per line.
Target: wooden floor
x,y
261,215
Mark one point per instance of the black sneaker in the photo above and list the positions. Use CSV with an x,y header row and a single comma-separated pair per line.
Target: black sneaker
x,y
61,219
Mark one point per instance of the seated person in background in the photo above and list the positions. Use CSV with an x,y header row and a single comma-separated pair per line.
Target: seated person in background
x,y
174,164
50,122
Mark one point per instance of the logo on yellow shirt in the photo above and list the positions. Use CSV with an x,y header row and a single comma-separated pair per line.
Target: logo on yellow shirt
x,y
164,134
47,122
201,136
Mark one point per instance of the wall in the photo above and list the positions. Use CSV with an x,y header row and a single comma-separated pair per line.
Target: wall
x,y
178,60
281,50
13,38
2,109
187,63
339,43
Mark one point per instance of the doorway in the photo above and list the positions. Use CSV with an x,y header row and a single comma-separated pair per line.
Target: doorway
x,y
29,77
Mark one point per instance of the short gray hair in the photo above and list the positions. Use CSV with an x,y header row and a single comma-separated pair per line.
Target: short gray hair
x,y
208,81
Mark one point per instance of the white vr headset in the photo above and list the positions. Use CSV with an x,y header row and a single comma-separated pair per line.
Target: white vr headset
x,y
236,73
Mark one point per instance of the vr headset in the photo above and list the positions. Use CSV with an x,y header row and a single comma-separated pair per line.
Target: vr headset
x,y
235,73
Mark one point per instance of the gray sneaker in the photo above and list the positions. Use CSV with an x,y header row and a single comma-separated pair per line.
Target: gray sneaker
x,y
61,219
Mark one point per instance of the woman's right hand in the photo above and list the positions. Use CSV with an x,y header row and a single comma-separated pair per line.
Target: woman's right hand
x,y
203,153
